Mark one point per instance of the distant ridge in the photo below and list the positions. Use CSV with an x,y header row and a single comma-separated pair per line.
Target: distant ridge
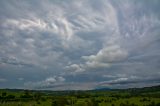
x,y
151,88
102,89
157,87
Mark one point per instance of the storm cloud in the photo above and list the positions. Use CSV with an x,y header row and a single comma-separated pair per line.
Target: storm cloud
x,y
79,44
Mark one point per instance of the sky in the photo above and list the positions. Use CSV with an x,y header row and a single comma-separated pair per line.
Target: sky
x,y
79,44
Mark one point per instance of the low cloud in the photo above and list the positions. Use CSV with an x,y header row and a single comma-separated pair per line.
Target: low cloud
x,y
50,81
13,61
103,59
2,80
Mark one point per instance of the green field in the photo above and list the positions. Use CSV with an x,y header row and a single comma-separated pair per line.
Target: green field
x,y
129,97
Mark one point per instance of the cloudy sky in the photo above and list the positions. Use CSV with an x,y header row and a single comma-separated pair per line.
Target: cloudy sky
x,y
79,44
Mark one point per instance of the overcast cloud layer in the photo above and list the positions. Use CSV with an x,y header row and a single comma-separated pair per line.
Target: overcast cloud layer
x,y
79,44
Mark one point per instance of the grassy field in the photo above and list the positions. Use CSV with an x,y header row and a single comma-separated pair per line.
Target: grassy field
x,y
129,97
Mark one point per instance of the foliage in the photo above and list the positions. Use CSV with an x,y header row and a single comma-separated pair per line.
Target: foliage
x,y
128,97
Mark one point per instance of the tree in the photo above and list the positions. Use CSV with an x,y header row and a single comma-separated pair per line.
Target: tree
x,y
60,102
95,103
113,105
37,96
10,96
4,94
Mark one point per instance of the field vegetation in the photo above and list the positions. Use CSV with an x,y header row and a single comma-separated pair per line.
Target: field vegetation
x,y
149,96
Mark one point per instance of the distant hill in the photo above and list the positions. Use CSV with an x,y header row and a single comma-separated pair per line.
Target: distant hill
x,y
144,89
102,89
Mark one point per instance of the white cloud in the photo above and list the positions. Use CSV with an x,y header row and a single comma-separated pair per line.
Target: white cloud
x,y
75,68
96,65
61,79
2,80
103,59
109,54
20,79
50,81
